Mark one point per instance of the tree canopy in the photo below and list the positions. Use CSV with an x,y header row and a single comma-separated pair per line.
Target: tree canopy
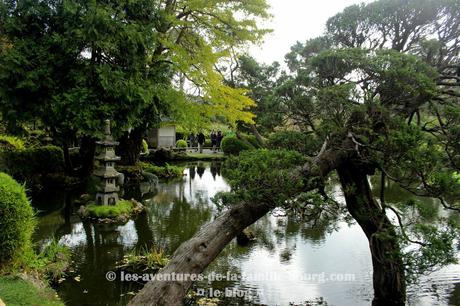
x,y
71,64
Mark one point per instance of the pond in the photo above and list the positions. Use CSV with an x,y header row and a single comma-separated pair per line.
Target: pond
x,y
288,262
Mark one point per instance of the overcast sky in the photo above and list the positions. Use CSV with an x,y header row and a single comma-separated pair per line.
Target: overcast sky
x,y
296,20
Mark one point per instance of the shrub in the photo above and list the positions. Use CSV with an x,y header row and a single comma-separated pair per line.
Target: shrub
x,y
54,260
233,146
27,164
181,144
263,176
293,141
11,143
17,220
252,140
166,172
145,146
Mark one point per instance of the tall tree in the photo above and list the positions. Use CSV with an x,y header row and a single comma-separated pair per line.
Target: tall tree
x,y
260,81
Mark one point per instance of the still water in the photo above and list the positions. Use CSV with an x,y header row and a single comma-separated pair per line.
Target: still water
x,y
288,262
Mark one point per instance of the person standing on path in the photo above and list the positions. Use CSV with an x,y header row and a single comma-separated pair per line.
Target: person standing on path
x,y
213,140
219,139
201,140
192,141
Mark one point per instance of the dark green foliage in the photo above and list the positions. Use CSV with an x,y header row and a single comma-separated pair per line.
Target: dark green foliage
x,y
17,220
45,76
252,140
295,141
28,163
260,80
231,145
268,176
165,172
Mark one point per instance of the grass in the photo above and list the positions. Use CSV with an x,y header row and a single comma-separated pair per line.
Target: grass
x,y
16,291
123,207
55,260
144,259
165,172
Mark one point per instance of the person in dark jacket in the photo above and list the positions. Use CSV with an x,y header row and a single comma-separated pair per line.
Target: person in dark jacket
x,y
201,140
192,141
213,140
219,139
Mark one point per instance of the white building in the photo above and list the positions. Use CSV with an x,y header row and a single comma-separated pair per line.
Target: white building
x,y
162,137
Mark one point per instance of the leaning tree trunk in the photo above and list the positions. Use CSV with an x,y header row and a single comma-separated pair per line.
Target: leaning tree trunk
x,y
130,146
256,134
389,278
194,255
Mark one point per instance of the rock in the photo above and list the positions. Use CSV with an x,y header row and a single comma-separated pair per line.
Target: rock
x,y
120,179
149,177
82,212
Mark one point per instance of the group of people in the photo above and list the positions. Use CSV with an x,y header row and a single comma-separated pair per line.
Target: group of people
x,y
199,140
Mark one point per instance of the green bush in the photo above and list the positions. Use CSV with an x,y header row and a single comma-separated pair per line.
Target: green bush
x,y
166,172
263,176
145,146
182,144
252,140
11,143
233,146
29,163
17,220
293,141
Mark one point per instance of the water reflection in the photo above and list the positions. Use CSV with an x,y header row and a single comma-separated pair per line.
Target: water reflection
x,y
297,261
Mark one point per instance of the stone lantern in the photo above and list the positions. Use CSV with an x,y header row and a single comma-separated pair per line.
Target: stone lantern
x,y
107,193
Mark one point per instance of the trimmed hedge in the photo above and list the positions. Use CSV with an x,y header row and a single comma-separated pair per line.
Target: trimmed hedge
x,y
17,220
25,164
181,144
233,146
165,172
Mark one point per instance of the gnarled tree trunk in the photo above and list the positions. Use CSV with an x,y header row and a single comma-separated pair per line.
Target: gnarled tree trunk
x,y
256,133
130,146
389,278
194,255
87,150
